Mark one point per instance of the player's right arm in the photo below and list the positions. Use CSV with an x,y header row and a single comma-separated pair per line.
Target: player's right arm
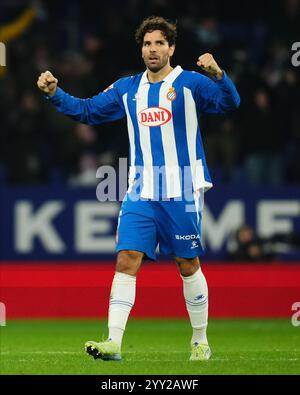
x,y
104,107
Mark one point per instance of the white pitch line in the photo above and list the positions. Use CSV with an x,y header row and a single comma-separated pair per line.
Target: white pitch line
x,y
130,358
213,360
42,352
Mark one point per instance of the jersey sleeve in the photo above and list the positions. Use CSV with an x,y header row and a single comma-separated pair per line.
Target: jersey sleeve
x,y
104,107
213,95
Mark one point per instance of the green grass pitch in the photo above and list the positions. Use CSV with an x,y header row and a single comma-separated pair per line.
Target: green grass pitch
x,y
150,347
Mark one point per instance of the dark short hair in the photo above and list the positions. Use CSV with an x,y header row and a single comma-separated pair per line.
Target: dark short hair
x,y
168,29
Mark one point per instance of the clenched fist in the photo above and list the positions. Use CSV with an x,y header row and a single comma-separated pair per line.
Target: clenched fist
x,y
208,64
47,83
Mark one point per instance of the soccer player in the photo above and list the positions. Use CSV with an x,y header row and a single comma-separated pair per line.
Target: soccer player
x,y
162,106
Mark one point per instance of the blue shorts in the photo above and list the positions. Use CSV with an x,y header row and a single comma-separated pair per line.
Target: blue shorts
x,y
173,225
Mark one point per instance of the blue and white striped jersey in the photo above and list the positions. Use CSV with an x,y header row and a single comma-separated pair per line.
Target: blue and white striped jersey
x,y
163,127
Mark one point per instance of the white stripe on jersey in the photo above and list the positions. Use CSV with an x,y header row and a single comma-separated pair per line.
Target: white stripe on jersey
x,y
142,104
191,123
196,200
173,75
199,202
132,168
169,146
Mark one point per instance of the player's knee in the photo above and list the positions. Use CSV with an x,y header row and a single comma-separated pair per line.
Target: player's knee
x,y
187,267
129,262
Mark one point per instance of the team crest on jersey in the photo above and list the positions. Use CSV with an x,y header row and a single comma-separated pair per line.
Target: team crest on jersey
x,y
171,95
154,116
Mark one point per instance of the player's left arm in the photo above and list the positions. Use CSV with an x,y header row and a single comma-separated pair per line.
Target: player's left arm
x,y
217,94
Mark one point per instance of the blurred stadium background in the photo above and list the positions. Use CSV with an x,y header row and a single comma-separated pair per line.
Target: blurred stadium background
x,y
57,241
